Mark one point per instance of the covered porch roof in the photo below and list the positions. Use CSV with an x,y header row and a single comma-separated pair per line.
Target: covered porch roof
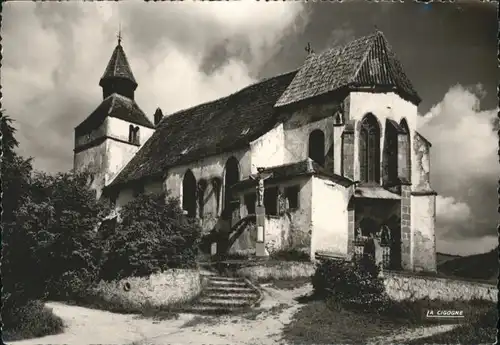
x,y
288,171
375,192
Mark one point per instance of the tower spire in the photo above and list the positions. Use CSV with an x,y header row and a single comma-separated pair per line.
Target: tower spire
x,y
118,77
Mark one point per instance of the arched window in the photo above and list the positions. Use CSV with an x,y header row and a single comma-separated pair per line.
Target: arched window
x,y
130,134
216,187
407,149
317,146
390,153
369,150
202,188
133,134
231,176
338,119
189,194
136,135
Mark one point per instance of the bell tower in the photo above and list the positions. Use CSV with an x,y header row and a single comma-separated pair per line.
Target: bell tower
x,y
113,133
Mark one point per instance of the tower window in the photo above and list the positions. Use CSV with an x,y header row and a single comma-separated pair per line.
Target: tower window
x,y
133,135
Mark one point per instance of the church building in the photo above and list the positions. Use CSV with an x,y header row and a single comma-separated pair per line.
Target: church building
x,y
336,139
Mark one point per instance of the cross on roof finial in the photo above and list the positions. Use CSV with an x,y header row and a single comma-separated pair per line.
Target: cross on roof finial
x,y
376,27
308,48
120,34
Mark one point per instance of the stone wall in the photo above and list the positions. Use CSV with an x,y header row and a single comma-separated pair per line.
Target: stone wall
x,y
158,290
283,270
405,286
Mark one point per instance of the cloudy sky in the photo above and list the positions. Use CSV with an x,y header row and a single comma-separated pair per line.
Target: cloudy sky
x,y
185,53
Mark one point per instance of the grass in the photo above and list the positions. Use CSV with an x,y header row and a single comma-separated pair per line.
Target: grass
x,y
327,321
321,322
31,321
480,330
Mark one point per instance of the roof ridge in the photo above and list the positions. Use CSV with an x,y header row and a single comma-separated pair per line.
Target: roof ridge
x,y
363,60
229,95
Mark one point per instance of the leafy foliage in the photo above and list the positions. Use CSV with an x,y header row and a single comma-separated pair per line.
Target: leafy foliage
x,y
153,234
355,283
31,320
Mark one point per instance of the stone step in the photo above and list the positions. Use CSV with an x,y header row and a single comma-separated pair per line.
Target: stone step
x,y
228,289
224,302
221,283
247,296
213,310
226,279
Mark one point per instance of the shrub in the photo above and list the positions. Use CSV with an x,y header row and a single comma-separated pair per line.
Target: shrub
x,y
153,235
59,216
355,283
30,321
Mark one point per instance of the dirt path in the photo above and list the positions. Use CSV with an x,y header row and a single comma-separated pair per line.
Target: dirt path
x,y
260,327
411,334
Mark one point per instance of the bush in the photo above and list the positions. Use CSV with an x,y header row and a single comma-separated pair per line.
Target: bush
x,y
153,235
354,283
59,216
30,321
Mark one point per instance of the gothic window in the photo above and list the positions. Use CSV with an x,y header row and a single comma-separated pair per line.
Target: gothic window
x,y
369,149
216,187
317,146
202,187
189,194
337,119
231,177
407,150
390,154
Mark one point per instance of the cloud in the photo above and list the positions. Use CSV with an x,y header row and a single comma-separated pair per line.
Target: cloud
x,y
55,54
464,164
481,244
449,210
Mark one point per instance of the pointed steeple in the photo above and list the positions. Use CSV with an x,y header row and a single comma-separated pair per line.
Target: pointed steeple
x,y
118,76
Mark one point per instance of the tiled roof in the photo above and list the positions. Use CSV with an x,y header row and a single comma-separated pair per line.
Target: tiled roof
x,y
223,125
118,66
302,168
367,61
117,106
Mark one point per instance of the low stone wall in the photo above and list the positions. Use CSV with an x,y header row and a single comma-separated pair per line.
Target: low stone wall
x,y
280,270
158,290
407,286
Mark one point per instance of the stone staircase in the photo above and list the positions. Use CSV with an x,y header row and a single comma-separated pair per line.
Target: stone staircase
x,y
223,295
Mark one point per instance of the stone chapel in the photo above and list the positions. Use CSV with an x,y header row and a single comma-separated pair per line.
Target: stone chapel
x,y
337,138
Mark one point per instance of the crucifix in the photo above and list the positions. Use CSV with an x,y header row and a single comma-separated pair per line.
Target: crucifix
x,y
260,177
260,211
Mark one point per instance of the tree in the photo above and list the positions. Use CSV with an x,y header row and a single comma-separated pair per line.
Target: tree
x,y
62,213
153,235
